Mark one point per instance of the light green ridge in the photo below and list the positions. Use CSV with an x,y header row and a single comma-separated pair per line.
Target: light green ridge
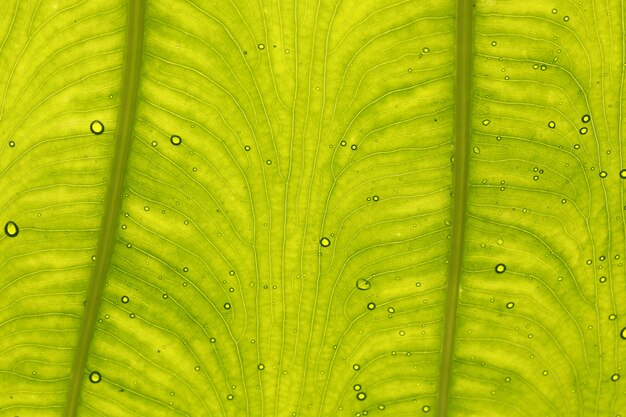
x,y
463,96
130,85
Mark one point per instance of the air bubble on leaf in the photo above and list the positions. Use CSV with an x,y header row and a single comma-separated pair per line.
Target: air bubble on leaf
x,y
11,229
95,377
260,367
375,198
363,284
554,11
356,366
125,299
426,50
566,18
132,315
544,67
212,340
325,242
612,316
551,124
11,143
230,397
486,122
227,306
246,148
391,310
500,268
602,174
154,143
476,149
176,140
361,396
343,143
494,43
615,377
510,304
371,306
353,147
622,174
602,279
96,127
586,118
261,46
426,409
583,130
165,296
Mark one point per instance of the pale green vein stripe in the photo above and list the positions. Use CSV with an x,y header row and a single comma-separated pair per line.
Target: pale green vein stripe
x,y
464,53
130,85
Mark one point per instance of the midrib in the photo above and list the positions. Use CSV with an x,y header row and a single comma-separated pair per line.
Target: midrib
x,y
130,83
464,52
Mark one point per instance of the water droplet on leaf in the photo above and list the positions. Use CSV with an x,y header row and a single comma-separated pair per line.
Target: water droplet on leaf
x,y
96,127
500,268
11,229
371,306
176,140
510,305
361,396
95,377
325,242
551,124
125,299
363,284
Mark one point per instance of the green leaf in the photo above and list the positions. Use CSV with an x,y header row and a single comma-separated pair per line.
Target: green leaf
x,y
238,208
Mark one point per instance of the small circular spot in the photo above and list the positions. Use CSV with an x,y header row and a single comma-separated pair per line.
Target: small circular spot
x,y
612,316
426,50
154,143
494,43
230,397
96,127
602,174
622,174
566,18
12,144
165,296
246,148
583,130
356,366
197,368
353,147
586,118
375,198
175,140
343,143
602,279
500,268
261,367
554,11
615,377
510,304
551,124
325,242
391,310
486,122
623,333
357,387
371,306
361,396
95,377
426,409
132,315
125,299
261,46
227,306
11,229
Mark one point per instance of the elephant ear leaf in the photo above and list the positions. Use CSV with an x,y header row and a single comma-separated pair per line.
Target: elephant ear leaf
x,y
310,209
